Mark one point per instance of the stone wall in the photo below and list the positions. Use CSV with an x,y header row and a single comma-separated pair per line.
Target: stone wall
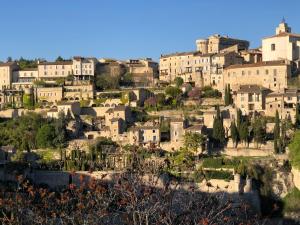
x,y
212,101
94,111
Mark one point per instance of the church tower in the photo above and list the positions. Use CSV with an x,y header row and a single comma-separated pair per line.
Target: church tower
x,y
283,28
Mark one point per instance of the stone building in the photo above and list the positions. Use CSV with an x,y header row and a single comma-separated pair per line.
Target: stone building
x,y
284,101
48,94
145,135
251,98
216,43
144,72
6,74
251,55
284,45
83,68
11,98
24,78
51,71
273,75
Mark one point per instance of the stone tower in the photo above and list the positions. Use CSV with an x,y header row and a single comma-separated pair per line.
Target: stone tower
x,y
283,28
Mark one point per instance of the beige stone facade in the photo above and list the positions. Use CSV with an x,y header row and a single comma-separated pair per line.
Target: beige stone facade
x,y
251,98
284,102
217,43
273,75
145,135
49,94
78,92
24,78
144,71
197,68
6,74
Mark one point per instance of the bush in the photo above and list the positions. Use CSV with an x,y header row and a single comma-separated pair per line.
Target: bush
x,y
294,148
220,175
291,202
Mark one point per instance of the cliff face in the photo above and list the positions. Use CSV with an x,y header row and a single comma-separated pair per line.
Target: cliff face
x,y
282,184
296,177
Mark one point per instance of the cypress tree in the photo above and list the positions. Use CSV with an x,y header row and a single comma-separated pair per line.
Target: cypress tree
x,y
277,126
238,118
226,96
297,117
218,128
230,95
276,149
234,133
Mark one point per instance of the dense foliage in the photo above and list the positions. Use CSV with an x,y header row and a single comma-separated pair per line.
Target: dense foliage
x,y
31,131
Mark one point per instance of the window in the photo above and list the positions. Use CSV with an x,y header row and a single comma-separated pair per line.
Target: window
x,y
257,72
271,106
267,72
154,138
273,47
243,72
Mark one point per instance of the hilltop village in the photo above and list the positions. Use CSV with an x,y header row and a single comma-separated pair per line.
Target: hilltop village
x,y
217,113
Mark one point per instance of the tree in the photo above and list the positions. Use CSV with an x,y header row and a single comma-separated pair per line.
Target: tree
x,y
9,59
239,118
227,96
150,102
297,117
259,130
277,126
243,132
45,136
127,79
276,149
60,131
161,99
178,81
173,92
105,81
59,59
218,128
234,133
28,101
195,93
193,141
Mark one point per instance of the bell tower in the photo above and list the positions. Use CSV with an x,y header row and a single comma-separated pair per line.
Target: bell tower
x,y
283,27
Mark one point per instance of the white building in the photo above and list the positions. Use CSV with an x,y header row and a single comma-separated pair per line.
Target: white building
x,y
282,46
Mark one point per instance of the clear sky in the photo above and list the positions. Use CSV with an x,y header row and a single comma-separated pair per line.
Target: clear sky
x,y
133,28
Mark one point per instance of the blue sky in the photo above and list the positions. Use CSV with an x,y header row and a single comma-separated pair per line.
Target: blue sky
x,y
133,28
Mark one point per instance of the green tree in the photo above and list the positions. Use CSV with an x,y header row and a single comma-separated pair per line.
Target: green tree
x,y
259,130
243,132
28,101
45,136
239,118
227,96
193,141
297,117
173,92
59,59
60,131
276,149
234,133
277,126
178,81
218,128
161,99
127,79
